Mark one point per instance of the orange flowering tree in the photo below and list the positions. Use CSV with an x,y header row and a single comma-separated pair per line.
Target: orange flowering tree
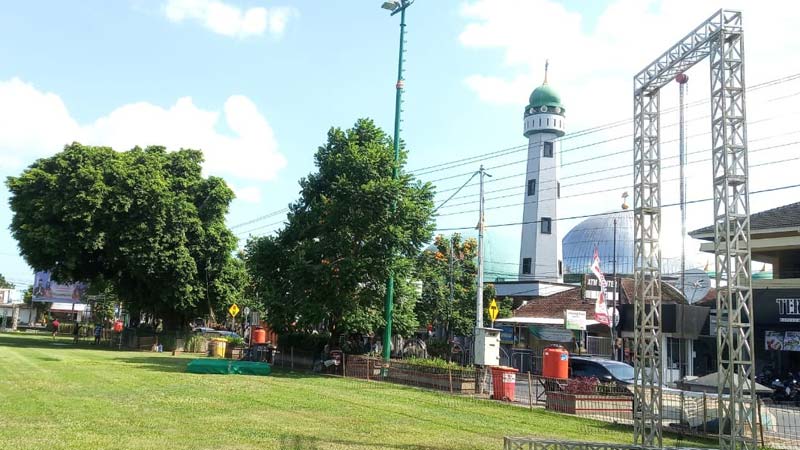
x,y
448,272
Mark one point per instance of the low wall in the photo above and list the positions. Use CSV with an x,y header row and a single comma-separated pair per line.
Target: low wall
x,y
584,405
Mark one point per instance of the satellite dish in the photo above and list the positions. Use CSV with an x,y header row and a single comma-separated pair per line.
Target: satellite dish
x,y
697,284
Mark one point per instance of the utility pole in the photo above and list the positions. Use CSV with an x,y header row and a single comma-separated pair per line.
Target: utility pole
x,y
452,292
481,224
682,79
397,6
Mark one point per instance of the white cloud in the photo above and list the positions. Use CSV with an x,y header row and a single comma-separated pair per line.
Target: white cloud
x,y
249,194
38,124
228,20
592,64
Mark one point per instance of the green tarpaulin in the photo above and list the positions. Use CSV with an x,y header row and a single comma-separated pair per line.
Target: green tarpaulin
x,y
227,366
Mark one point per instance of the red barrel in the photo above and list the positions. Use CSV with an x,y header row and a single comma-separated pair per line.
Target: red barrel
x,y
259,336
504,383
555,362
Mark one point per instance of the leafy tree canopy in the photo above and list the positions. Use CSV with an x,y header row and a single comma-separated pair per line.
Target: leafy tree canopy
x,y
328,266
5,284
145,220
448,271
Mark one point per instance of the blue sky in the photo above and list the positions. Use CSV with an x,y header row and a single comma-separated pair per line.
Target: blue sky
x,y
257,84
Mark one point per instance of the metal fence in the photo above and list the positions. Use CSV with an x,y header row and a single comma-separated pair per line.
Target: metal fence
x,y
516,443
683,413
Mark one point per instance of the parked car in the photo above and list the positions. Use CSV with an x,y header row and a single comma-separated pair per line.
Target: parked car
x,y
212,333
605,370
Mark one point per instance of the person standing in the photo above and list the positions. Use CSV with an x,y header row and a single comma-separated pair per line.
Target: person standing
x,y
56,324
98,331
76,333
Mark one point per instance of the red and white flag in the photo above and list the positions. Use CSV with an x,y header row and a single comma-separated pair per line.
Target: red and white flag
x,y
600,308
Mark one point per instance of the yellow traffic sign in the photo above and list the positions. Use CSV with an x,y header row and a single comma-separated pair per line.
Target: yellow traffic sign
x,y
234,309
493,310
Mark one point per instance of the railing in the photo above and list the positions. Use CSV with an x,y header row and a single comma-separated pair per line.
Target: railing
x,y
516,443
600,346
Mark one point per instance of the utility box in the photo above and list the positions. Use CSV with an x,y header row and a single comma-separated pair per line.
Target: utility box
x,y
487,346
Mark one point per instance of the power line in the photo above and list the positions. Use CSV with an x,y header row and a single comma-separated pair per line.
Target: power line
x,y
502,152
584,216
260,228
606,155
513,149
615,168
260,218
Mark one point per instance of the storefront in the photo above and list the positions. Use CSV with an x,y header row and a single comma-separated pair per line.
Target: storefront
x,y
777,331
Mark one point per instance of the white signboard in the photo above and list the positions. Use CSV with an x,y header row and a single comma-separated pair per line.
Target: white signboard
x,y
575,320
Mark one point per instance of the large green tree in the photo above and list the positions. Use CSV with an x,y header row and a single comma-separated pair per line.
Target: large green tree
x,y
144,220
327,268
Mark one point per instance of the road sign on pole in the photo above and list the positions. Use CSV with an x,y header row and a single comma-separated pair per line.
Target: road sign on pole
x,y
493,310
234,310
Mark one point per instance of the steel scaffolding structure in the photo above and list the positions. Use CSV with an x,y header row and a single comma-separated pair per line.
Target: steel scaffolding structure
x,y
720,38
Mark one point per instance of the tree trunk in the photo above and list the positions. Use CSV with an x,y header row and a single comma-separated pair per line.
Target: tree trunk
x,y
14,317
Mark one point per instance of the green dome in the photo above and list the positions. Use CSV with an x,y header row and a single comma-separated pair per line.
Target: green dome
x,y
544,95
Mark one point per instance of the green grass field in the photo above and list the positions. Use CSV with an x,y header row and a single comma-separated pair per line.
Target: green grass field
x,y
54,395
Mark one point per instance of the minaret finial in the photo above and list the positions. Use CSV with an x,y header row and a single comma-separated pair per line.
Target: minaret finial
x,y
546,65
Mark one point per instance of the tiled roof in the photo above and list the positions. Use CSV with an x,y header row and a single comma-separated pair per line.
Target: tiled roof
x,y
781,217
668,293
553,306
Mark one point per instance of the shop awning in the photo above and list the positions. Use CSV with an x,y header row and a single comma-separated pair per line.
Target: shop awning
x,y
538,321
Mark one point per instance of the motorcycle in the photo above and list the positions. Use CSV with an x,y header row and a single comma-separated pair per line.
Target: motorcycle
x,y
786,390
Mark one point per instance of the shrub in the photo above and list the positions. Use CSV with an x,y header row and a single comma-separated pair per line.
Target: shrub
x,y
304,341
235,341
433,363
438,348
195,344
582,386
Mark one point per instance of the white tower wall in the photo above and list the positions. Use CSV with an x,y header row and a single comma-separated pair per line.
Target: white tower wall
x,y
539,250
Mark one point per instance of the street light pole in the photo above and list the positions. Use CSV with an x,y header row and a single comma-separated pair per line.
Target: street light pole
x,y
614,296
395,7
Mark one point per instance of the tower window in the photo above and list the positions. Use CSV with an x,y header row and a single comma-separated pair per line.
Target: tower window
x,y
548,149
526,266
540,121
548,121
560,268
558,189
546,225
532,187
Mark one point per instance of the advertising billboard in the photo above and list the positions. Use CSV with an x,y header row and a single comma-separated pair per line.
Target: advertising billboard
x,y
47,290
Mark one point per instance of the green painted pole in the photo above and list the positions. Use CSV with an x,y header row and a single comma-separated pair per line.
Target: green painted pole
x,y
389,303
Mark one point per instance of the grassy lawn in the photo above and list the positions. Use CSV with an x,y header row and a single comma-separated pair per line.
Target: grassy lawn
x,y
54,395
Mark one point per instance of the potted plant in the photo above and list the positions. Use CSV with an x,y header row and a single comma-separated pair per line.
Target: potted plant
x,y
235,347
586,396
433,373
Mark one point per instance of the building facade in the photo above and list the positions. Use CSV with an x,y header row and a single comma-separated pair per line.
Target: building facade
x,y
774,239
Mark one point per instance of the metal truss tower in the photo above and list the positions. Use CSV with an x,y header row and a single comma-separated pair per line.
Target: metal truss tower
x,y
721,39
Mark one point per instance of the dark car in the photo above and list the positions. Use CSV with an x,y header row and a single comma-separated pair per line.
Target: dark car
x,y
605,370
